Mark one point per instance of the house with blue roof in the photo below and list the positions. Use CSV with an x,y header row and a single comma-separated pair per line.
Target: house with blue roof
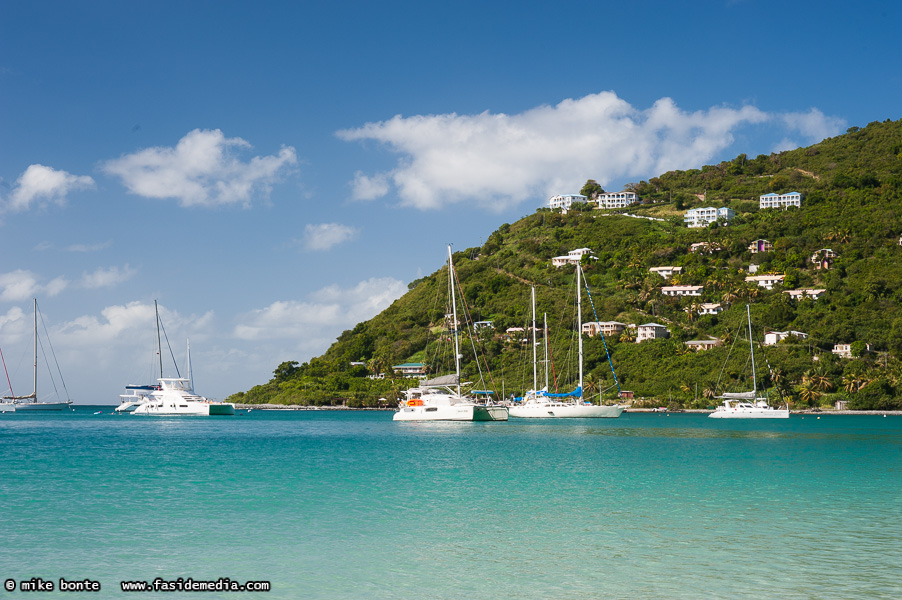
x,y
780,200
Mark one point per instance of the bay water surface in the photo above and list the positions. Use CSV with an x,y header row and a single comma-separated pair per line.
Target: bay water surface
x,y
341,505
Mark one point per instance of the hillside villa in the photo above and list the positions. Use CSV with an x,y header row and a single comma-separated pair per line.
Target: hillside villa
x,y
606,328
702,217
682,290
823,258
573,257
616,199
803,293
780,200
698,345
760,246
410,369
845,350
709,308
765,281
651,331
772,337
563,201
666,272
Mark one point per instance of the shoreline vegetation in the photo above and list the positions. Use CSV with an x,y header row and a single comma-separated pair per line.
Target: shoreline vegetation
x,y
823,281
813,412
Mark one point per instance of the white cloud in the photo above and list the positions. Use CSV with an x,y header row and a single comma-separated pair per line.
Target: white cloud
x,y
106,277
41,183
89,247
20,284
316,323
124,324
201,170
369,188
327,235
813,125
499,160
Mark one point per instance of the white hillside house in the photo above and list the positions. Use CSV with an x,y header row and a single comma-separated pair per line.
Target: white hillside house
x,y
617,199
572,258
702,217
780,200
563,201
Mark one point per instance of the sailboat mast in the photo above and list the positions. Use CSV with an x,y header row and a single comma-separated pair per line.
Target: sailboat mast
x,y
535,381
752,349
545,340
156,311
35,388
190,374
454,315
579,325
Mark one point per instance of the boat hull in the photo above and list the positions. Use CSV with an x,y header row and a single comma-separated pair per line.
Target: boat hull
x,y
169,409
453,412
42,406
561,410
7,407
755,413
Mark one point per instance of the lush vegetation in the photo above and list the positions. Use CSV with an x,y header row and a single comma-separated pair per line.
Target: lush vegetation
x,y
852,188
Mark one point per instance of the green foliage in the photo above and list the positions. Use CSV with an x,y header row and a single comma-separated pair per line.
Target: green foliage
x,y
852,204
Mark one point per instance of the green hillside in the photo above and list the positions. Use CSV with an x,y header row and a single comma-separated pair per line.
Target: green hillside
x,y
852,204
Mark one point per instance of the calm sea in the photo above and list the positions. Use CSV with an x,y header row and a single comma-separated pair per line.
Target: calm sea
x,y
352,505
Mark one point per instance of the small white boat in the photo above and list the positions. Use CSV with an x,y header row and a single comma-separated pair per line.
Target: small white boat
x,y
748,405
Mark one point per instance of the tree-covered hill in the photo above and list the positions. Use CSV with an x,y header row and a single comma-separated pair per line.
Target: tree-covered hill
x,y
852,204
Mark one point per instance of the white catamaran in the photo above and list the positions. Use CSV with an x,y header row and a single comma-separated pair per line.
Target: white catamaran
x,y
31,402
540,404
440,399
748,405
172,396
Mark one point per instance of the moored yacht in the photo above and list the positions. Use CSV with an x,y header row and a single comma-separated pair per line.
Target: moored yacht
x,y
176,397
136,397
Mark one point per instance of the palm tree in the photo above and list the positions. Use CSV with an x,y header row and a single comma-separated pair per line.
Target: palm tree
x,y
808,392
628,335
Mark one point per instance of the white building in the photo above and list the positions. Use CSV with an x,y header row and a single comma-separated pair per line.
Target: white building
x,y
710,309
845,350
617,199
703,247
766,281
697,345
772,337
702,217
682,290
760,246
564,201
801,293
651,331
666,272
780,200
573,257
607,328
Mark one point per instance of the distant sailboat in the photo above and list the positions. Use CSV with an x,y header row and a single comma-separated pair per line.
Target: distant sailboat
x,y
31,402
747,405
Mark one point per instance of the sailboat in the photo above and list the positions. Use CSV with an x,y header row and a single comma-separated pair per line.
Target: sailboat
x,y
173,396
540,404
440,399
748,405
31,402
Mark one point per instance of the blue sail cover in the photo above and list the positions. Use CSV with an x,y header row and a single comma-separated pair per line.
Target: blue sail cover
x,y
543,394
577,392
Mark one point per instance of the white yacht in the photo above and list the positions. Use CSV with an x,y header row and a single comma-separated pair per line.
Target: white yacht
x,y
173,395
440,399
539,404
30,402
737,409
176,397
136,396
748,405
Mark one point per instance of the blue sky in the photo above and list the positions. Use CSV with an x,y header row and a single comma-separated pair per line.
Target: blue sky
x,y
275,172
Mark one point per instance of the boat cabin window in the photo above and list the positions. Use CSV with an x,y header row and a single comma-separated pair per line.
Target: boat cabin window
x,y
431,409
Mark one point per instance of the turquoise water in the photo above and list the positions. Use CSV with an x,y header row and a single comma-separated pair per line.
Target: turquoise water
x,y
353,505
